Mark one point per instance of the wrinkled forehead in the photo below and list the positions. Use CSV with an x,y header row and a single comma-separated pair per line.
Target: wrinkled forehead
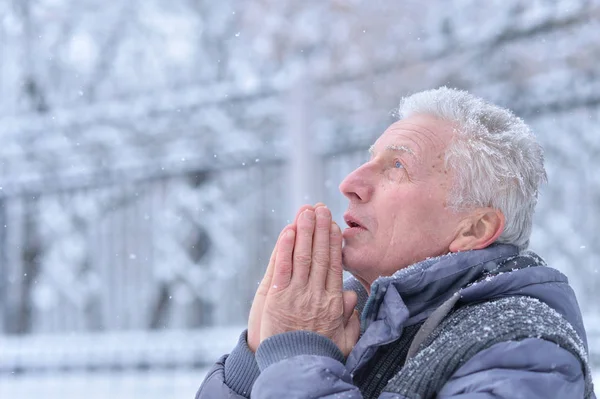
x,y
420,136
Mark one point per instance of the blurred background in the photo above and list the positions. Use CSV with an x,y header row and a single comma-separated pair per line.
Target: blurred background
x,y
151,151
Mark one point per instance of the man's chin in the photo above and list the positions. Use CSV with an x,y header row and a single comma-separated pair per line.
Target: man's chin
x,y
356,270
346,252
352,258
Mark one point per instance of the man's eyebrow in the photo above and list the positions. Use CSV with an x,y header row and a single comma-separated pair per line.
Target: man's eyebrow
x,y
401,148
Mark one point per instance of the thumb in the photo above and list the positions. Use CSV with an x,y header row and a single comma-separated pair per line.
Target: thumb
x,y
350,301
352,333
265,283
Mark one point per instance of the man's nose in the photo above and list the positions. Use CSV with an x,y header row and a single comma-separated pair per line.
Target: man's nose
x,y
358,185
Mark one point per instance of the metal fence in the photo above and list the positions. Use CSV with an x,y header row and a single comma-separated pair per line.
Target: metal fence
x,y
104,234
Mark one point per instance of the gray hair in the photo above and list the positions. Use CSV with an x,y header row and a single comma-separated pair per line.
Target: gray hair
x,y
495,156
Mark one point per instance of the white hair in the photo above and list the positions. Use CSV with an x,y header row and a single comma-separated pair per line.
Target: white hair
x,y
495,157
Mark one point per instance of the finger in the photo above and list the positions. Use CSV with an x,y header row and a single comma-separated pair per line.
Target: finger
x,y
303,247
320,248
350,301
302,209
282,272
263,288
335,272
271,265
318,204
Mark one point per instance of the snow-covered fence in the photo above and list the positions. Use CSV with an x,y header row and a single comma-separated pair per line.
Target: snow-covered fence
x,y
151,255
137,217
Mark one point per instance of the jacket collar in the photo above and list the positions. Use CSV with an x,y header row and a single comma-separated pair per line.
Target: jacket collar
x,y
425,285
411,294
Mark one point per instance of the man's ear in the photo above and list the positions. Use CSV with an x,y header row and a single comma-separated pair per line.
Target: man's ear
x,y
479,230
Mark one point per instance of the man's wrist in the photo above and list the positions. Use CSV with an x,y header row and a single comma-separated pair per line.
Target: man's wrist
x,y
295,343
241,369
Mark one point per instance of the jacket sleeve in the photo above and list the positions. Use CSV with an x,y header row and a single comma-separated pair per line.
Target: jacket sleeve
x,y
233,376
302,364
531,368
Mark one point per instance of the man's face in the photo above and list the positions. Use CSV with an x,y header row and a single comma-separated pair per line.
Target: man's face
x,y
398,199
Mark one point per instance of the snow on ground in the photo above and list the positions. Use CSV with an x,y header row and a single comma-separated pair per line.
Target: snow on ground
x,y
172,384
177,349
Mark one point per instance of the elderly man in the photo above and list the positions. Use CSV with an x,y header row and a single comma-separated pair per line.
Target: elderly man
x,y
445,300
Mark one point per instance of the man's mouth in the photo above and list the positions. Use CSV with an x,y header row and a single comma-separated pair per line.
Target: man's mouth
x,y
353,222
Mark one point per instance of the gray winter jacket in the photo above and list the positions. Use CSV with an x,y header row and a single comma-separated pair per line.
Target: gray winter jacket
x,y
306,365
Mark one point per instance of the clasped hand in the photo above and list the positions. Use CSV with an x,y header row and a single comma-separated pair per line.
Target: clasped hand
x,y
303,286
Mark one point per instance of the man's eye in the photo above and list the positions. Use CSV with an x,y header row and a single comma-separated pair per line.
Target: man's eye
x,y
398,164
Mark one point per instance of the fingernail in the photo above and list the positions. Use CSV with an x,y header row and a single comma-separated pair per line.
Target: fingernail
x,y
321,211
308,215
289,233
285,230
335,229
